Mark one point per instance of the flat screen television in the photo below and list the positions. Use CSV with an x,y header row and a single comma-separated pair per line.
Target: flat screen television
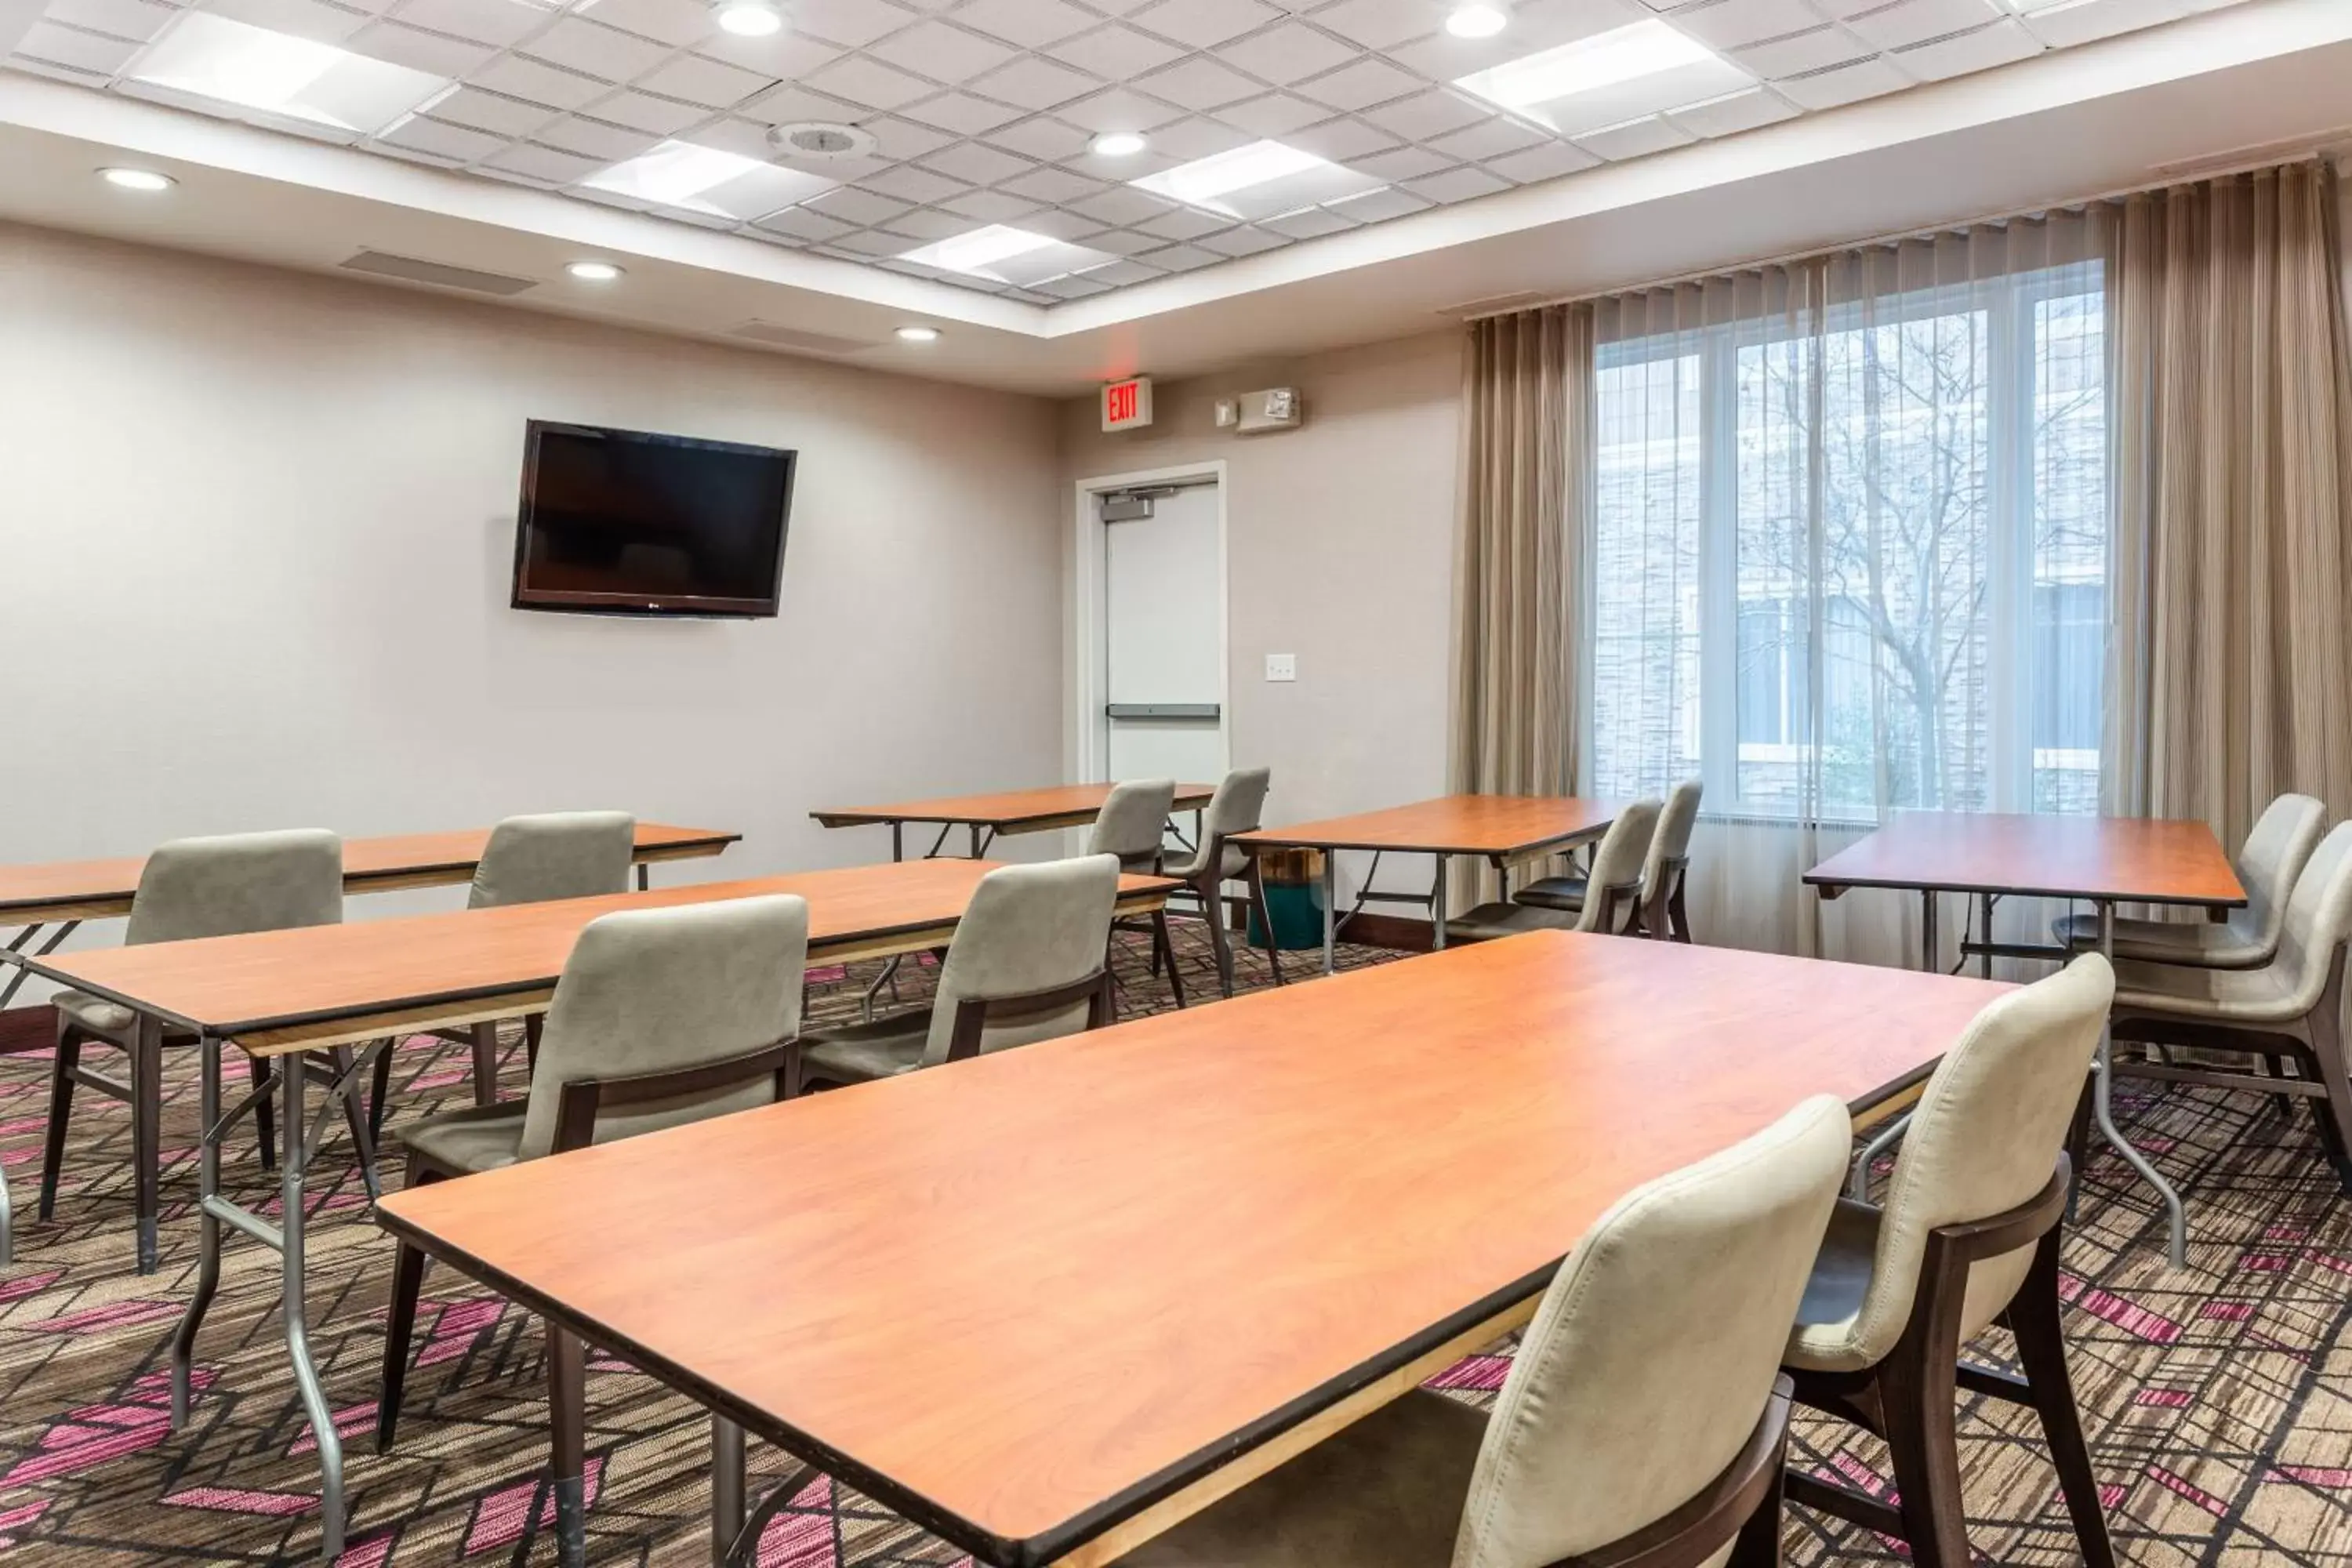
x,y
625,522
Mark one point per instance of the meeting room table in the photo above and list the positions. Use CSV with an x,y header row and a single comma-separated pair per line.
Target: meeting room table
x,y
1002,813
1504,830
2102,861
1048,1303
281,995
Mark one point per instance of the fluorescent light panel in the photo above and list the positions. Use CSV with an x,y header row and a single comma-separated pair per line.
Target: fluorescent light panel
x,y
222,61
694,178
1263,179
1610,77
1007,255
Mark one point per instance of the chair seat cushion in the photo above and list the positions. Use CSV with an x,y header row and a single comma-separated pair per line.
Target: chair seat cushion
x,y
2206,943
477,1138
1386,1493
1553,893
2251,996
1488,922
860,1053
100,1018
1832,1335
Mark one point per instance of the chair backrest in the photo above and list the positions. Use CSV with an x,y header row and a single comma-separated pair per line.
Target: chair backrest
x,y
1670,844
1617,864
1983,1140
238,882
1133,825
1238,806
651,991
554,855
2318,919
1028,928
2272,862
1654,1351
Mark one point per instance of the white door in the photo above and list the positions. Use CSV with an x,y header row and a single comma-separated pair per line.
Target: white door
x,y
1164,675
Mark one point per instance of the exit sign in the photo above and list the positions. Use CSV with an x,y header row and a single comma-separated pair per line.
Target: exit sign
x,y
1126,404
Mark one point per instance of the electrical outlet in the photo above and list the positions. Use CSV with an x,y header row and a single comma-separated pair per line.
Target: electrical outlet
x,y
1282,667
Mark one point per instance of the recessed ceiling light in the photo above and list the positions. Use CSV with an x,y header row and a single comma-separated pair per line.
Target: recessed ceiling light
x,y
919,335
1006,255
593,271
137,179
1261,180
1117,144
1477,21
214,57
1609,71
751,18
709,179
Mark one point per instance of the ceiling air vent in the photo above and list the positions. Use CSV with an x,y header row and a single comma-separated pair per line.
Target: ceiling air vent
x,y
821,140
439,274
800,341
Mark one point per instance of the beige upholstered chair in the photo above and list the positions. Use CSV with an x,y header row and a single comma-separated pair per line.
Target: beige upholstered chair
x,y
661,1017
1133,826
1643,1411
1237,806
1612,905
2289,1009
2269,865
189,889
1027,964
1663,874
531,860
1968,1237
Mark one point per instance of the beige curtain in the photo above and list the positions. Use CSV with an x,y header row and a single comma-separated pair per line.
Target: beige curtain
x,y
2231,678
1527,406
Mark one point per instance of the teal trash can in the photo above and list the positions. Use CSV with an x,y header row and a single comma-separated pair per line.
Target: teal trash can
x,y
1294,900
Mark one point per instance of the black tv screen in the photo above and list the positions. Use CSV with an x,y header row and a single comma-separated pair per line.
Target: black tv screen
x,y
625,522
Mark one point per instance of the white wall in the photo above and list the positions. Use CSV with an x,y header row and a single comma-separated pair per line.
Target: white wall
x,y
256,529
1341,551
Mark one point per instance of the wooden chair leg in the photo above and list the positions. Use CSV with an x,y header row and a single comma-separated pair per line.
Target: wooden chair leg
x,y
533,1025
567,1413
61,1093
264,1116
2334,1114
1221,941
355,1118
1163,947
380,1092
2034,1317
1915,1395
1264,919
1678,927
1757,1544
485,1063
407,1281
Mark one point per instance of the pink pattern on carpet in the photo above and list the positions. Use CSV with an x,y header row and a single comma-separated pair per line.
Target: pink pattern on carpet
x,y
2328,1260
1481,1371
827,973
28,1124
351,1418
2111,1497
500,1517
2138,1321
92,1436
2165,1398
460,1324
2227,1311
31,1284
2265,1263
2285,1232
2180,1487
423,1081
798,1541
369,1552
231,1500
2310,1475
114,1314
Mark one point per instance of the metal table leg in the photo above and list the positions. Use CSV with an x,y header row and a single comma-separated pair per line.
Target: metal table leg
x,y
23,938
897,842
2102,1071
1330,911
1437,909
726,1489
1984,921
1933,961
644,876
567,1379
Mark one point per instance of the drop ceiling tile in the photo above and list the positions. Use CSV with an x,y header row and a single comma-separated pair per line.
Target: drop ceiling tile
x,y
489,111
1378,207
1340,139
908,184
1119,110
962,113
599,51
497,22
1058,187
2100,19
1738,113
747,139
594,138
805,223
2001,44
1204,24
1032,24
133,19
925,224
557,168
853,23
1488,139
1284,53
1548,162
1368,81
1123,205
672,22
874,242
1819,50
1381,23
1846,84
390,150
1457,186
643,112
1071,286
869,82
940,52
1033,83
453,142
1199,83
1124,241
845,171
1732,24
1114,53
1180,259
788,105
1197,138
1184,224
1064,225
1122,170
1427,115
1244,240
903,138
1046,139
517,76
1635,139
435,54
1119,274
1916,21
92,52
1307,224
990,206
785,56
975,164
1273,116
1399,164
303,18
850,204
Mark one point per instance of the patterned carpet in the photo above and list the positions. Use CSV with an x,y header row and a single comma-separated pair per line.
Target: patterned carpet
x,y
2219,1401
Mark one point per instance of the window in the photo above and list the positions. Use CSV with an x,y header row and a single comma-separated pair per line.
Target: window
x,y
1853,558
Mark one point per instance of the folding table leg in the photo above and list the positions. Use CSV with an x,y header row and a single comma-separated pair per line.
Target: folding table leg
x,y
726,1489
146,1131
1437,909
1330,911
208,1228
2103,1109
567,1391
293,1163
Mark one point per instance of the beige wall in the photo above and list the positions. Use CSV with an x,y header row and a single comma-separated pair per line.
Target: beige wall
x,y
1340,550
259,532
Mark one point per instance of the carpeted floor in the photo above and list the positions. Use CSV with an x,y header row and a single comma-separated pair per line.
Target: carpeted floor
x,y
2219,1401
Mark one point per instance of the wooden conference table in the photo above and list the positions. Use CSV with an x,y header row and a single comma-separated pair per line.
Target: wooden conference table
x,y
1506,830
1048,1303
284,993
989,816
2101,860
